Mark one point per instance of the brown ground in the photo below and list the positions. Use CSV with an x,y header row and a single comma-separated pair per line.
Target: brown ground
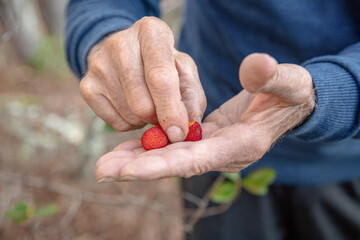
x,y
50,142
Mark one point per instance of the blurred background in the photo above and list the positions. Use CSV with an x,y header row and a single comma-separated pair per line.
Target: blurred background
x,y
50,141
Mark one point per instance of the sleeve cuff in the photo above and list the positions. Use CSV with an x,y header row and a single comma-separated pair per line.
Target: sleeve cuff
x,y
337,103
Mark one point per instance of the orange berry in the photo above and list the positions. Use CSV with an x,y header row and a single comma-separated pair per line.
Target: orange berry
x,y
195,132
153,138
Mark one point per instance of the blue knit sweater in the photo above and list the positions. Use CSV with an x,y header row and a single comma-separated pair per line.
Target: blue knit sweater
x,y
321,35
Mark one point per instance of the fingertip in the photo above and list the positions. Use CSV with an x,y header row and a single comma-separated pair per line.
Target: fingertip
x,y
111,168
174,122
255,70
175,134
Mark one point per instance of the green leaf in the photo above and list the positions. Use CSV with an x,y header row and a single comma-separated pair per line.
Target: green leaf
x,y
46,211
224,192
18,213
109,128
235,177
258,181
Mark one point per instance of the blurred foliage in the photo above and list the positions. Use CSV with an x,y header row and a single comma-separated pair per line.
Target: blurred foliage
x,y
46,211
225,192
232,176
258,181
21,212
49,57
108,128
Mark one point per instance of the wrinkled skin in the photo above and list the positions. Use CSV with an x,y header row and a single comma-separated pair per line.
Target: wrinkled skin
x,y
136,76
148,81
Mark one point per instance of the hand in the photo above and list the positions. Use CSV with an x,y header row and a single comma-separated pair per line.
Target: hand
x,y
136,76
276,98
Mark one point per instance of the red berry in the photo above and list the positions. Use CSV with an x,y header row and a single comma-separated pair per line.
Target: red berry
x,y
153,138
195,132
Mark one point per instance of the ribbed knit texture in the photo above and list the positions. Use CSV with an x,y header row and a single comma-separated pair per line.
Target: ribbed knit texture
x,y
321,35
337,93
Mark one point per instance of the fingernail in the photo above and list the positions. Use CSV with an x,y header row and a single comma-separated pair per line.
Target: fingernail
x,y
106,180
175,134
129,178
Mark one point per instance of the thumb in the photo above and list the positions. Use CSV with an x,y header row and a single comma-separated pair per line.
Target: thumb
x,y
260,73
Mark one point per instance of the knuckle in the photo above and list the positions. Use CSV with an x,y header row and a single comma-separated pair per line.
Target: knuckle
x,y
148,19
95,66
153,28
188,59
143,110
158,77
150,22
113,43
87,87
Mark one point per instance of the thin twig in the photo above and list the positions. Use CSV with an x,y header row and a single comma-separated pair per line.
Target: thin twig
x,y
203,211
212,211
192,198
77,193
204,203
64,222
70,213
80,195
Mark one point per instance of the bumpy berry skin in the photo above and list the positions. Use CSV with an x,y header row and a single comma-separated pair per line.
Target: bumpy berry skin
x,y
195,132
154,138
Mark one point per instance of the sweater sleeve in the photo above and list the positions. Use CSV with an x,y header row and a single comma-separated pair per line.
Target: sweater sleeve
x,y
88,21
337,85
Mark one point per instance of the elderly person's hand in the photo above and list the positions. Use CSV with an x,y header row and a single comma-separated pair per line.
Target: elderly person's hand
x,y
276,98
136,76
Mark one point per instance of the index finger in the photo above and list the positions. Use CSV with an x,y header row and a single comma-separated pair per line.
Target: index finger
x,y
162,78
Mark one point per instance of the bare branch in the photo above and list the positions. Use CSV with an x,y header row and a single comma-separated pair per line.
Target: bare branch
x,y
204,203
80,196
77,193
192,198
203,211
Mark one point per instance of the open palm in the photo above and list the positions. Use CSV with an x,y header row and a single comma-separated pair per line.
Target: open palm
x,y
275,99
